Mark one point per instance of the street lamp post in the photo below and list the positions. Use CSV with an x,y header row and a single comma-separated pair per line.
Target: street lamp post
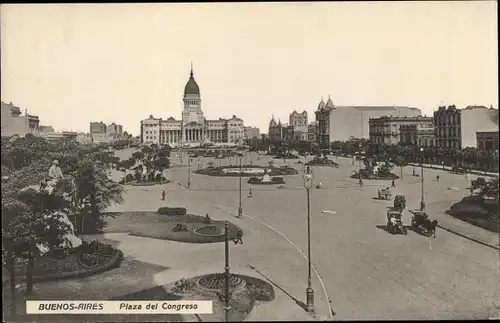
x,y
226,276
189,172
240,209
308,182
422,201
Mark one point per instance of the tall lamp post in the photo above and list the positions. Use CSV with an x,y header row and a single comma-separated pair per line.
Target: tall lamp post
x,y
226,276
308,182
240,209
189,172
422,201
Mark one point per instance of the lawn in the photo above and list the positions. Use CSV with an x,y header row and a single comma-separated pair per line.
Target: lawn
x,y
158,226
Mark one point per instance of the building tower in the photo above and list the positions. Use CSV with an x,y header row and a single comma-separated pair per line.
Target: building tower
x,y
192,113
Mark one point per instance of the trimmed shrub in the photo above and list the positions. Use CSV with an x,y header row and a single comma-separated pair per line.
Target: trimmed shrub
x,y
253,180
172,211
277,180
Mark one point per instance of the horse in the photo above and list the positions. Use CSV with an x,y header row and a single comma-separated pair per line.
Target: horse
x,y
430,227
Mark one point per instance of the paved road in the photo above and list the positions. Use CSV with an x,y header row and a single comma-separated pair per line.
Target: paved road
x,y
368,273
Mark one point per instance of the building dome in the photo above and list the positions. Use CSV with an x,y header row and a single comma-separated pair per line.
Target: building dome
x,y
329,103
191,86
321,105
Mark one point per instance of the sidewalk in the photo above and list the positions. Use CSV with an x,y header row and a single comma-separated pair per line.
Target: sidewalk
x,y
462,228
449,168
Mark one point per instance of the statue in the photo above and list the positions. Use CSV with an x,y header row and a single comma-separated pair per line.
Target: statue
x,y
55,171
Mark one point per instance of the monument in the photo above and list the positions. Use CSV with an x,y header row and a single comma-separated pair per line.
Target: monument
x,y
266,178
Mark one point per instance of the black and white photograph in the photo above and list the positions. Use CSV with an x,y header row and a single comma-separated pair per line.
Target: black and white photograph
x,y
250,161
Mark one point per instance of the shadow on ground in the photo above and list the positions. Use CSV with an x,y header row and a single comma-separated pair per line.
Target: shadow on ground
x,y
132,280
384,227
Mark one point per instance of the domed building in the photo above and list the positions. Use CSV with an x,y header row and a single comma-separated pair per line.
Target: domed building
x,y
193,129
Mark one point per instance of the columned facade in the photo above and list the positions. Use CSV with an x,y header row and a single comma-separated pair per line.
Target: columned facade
x,y
193,129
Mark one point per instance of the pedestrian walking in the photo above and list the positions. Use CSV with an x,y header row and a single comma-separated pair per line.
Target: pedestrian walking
x,y
437,178
163,195
393,184
360,182
250,193
239,235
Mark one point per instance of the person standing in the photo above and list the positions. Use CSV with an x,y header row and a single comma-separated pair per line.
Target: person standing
x,y
393,184
437,178
163,195
360,182
250,193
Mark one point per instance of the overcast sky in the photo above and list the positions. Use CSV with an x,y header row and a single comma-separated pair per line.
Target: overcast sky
x,y
72,64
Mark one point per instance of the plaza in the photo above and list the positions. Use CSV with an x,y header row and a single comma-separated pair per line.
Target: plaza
x,y
365,272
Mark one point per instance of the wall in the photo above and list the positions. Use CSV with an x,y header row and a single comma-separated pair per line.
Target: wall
x,y
346,122
474,120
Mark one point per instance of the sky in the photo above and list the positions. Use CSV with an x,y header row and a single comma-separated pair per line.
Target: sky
x,y
73,64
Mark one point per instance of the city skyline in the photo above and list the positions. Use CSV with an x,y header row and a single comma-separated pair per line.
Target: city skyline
x,y
91,62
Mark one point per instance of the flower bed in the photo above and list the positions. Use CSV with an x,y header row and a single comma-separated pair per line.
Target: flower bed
x,y
172,210
244,292
258,181
210,230
216,282
163,228
271,171
78,263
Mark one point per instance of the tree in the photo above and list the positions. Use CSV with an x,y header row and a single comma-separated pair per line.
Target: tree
x,y
161,164
94,190
139,155
33,226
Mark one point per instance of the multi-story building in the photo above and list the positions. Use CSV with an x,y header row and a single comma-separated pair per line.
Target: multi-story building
x,y
98,127
299,122
252,132
457,128
193,128
276,130
312,131
487,140
393,130
115,130
421,134
13,123
288,132
339,123
235,130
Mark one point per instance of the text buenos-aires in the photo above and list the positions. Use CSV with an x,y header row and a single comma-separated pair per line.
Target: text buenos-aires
x,y
165,306
71,307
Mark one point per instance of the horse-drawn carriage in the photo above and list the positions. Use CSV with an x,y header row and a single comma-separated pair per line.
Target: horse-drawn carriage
x,y
384,193
395,223
420,223
399,203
